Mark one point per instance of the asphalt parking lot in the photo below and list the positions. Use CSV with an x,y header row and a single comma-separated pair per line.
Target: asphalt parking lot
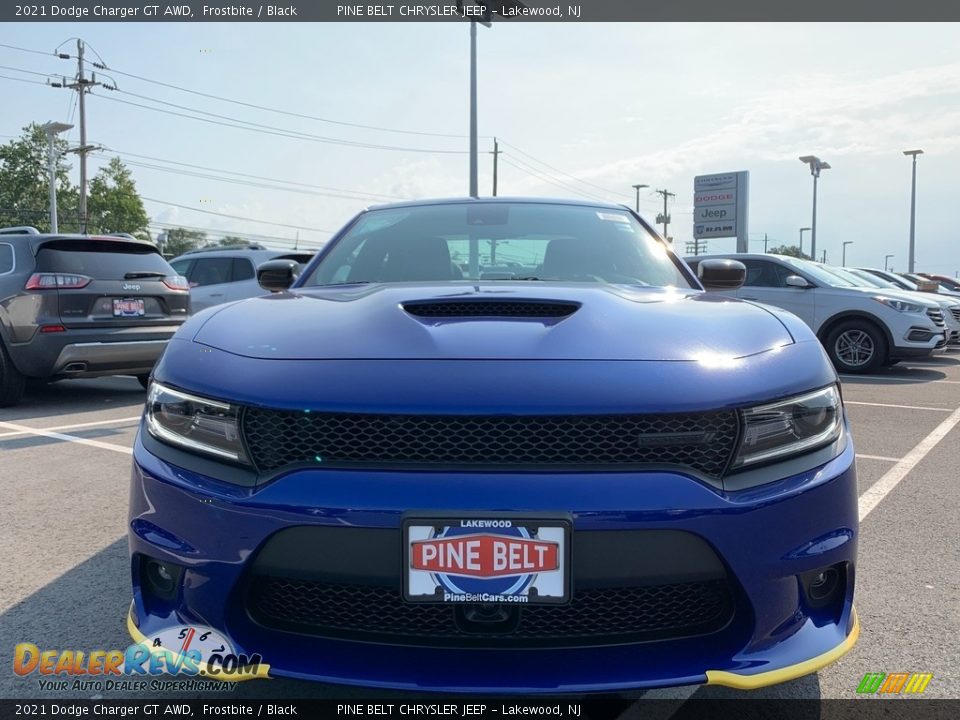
x,y
64,467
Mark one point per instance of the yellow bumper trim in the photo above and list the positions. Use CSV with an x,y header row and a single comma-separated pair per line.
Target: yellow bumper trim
x,y
791,672
261,673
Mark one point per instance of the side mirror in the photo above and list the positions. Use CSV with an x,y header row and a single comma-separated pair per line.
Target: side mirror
x,y
277,275
718,274
797,282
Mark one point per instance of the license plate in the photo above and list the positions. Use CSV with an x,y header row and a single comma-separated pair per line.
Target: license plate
x,y
490,559
128,307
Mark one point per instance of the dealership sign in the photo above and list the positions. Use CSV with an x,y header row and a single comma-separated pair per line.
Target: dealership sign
x,y
720,206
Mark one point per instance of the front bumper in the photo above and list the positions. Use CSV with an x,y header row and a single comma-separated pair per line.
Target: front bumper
x,y
766,538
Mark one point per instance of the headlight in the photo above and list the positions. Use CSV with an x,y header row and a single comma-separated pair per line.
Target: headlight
x,y
790,427
194,423
900,305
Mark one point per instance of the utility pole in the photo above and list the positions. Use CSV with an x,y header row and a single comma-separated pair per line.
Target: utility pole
x,y
764,243
913,207
495,153
665,218
81,86
824,258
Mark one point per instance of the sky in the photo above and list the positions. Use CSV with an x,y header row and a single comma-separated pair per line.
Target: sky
x,y
580,110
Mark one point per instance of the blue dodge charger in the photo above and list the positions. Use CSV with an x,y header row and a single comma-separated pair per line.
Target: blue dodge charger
x,y
499,445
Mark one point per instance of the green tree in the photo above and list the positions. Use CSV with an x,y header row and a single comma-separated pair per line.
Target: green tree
x,y
231,240
180,240
113,204
791,250
25,183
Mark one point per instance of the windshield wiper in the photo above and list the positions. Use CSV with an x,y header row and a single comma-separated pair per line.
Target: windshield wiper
x,y
143,274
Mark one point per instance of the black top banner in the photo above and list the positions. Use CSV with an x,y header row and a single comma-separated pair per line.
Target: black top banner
x,y
503,10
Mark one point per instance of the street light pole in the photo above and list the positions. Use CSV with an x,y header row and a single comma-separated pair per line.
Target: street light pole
x,y
913,206
52,129
843,262
802,231
816,165
637,188
886,258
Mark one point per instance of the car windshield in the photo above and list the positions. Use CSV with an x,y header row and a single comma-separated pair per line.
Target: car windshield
x,y
856,279
871,280
818,272
503,241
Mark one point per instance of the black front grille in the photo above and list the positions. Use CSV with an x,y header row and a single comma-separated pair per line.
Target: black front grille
x,y
594,617
936,316
488,308
703,442
956,313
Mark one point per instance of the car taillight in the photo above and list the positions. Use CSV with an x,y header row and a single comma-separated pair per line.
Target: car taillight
x,y
176,282
55,281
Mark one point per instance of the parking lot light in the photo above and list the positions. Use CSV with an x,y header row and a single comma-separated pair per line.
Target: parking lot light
x,y
843,262
816,165
913,206
52,129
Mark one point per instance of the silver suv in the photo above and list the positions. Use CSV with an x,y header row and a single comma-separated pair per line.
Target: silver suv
x,y
83,306
224,274
860,328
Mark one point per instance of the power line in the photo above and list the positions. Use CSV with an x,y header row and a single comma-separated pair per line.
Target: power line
x,y
254,177
556,169
283,112
238,181
23,49
222,232
279,132
545,179
30,72
235,217
530,170
23,80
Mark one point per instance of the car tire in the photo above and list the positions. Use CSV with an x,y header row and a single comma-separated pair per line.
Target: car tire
x,y
856,347
12,382
144,381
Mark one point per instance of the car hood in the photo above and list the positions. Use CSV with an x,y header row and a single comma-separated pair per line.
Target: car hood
x,y
521,322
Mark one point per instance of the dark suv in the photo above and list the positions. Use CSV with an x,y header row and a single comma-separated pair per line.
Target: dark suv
x,y
83,306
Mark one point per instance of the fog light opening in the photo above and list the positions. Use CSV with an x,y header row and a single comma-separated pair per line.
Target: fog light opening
x,y
161,578
823,584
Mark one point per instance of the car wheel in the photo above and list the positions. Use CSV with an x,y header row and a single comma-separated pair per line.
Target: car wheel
x,y
12,383
144,381
856,347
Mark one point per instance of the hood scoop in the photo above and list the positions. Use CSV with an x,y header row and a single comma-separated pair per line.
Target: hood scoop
x,y
514,308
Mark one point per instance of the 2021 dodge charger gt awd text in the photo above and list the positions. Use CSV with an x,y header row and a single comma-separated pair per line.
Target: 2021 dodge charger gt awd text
x,y
499,445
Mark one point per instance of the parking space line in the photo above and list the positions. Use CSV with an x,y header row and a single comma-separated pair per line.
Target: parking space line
x,y
890,479
75,426
913,381
902,407
69,438
878,457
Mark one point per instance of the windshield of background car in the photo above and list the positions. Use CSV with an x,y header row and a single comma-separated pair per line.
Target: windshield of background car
x,y
498,241
818,273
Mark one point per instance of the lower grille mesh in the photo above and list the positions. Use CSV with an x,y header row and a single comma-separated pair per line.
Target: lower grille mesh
x,y
593,617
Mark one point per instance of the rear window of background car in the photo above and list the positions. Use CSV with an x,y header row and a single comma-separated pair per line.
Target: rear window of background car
x,y
6,258
107,260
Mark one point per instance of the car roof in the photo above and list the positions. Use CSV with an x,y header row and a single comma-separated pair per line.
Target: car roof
x,y
241,252
36,240
499,200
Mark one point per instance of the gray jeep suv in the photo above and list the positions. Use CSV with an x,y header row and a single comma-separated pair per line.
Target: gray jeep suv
x,y
83,306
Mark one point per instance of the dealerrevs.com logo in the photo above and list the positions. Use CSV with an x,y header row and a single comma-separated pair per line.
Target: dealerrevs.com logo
x,y
894,683
188,652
